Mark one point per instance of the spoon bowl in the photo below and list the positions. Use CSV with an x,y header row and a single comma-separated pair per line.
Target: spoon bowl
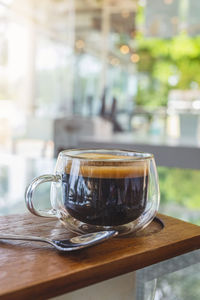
x,y
75,243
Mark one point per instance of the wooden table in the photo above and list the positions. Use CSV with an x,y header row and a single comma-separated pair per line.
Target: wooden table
x,y
30,270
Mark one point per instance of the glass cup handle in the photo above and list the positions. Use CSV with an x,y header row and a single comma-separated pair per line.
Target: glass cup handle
x,y
29,194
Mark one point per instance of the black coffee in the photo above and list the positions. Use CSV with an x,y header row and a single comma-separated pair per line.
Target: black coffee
x,y
106,200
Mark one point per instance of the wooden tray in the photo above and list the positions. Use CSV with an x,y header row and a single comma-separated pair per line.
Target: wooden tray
x,y
30,270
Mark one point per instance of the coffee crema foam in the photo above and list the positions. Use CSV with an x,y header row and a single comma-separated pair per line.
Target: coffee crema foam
x,y
106,168
102,156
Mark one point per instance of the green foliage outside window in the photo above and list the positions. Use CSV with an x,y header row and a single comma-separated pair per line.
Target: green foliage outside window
x,y
166,64
181,188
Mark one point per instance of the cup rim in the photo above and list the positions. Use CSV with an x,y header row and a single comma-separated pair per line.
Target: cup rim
x,y
140,155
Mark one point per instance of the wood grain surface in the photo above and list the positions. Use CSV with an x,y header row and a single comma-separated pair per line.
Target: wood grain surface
x,y
31,270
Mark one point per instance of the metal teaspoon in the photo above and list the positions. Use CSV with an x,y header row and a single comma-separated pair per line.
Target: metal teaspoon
x,y
75,243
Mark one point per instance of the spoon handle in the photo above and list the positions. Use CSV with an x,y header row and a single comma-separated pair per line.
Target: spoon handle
x,y
23,237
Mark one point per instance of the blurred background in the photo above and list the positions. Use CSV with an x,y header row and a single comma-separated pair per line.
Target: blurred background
x,y
105,73
128,66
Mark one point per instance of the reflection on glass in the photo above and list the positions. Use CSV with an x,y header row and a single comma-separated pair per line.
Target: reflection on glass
x,y
182,284
176,278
